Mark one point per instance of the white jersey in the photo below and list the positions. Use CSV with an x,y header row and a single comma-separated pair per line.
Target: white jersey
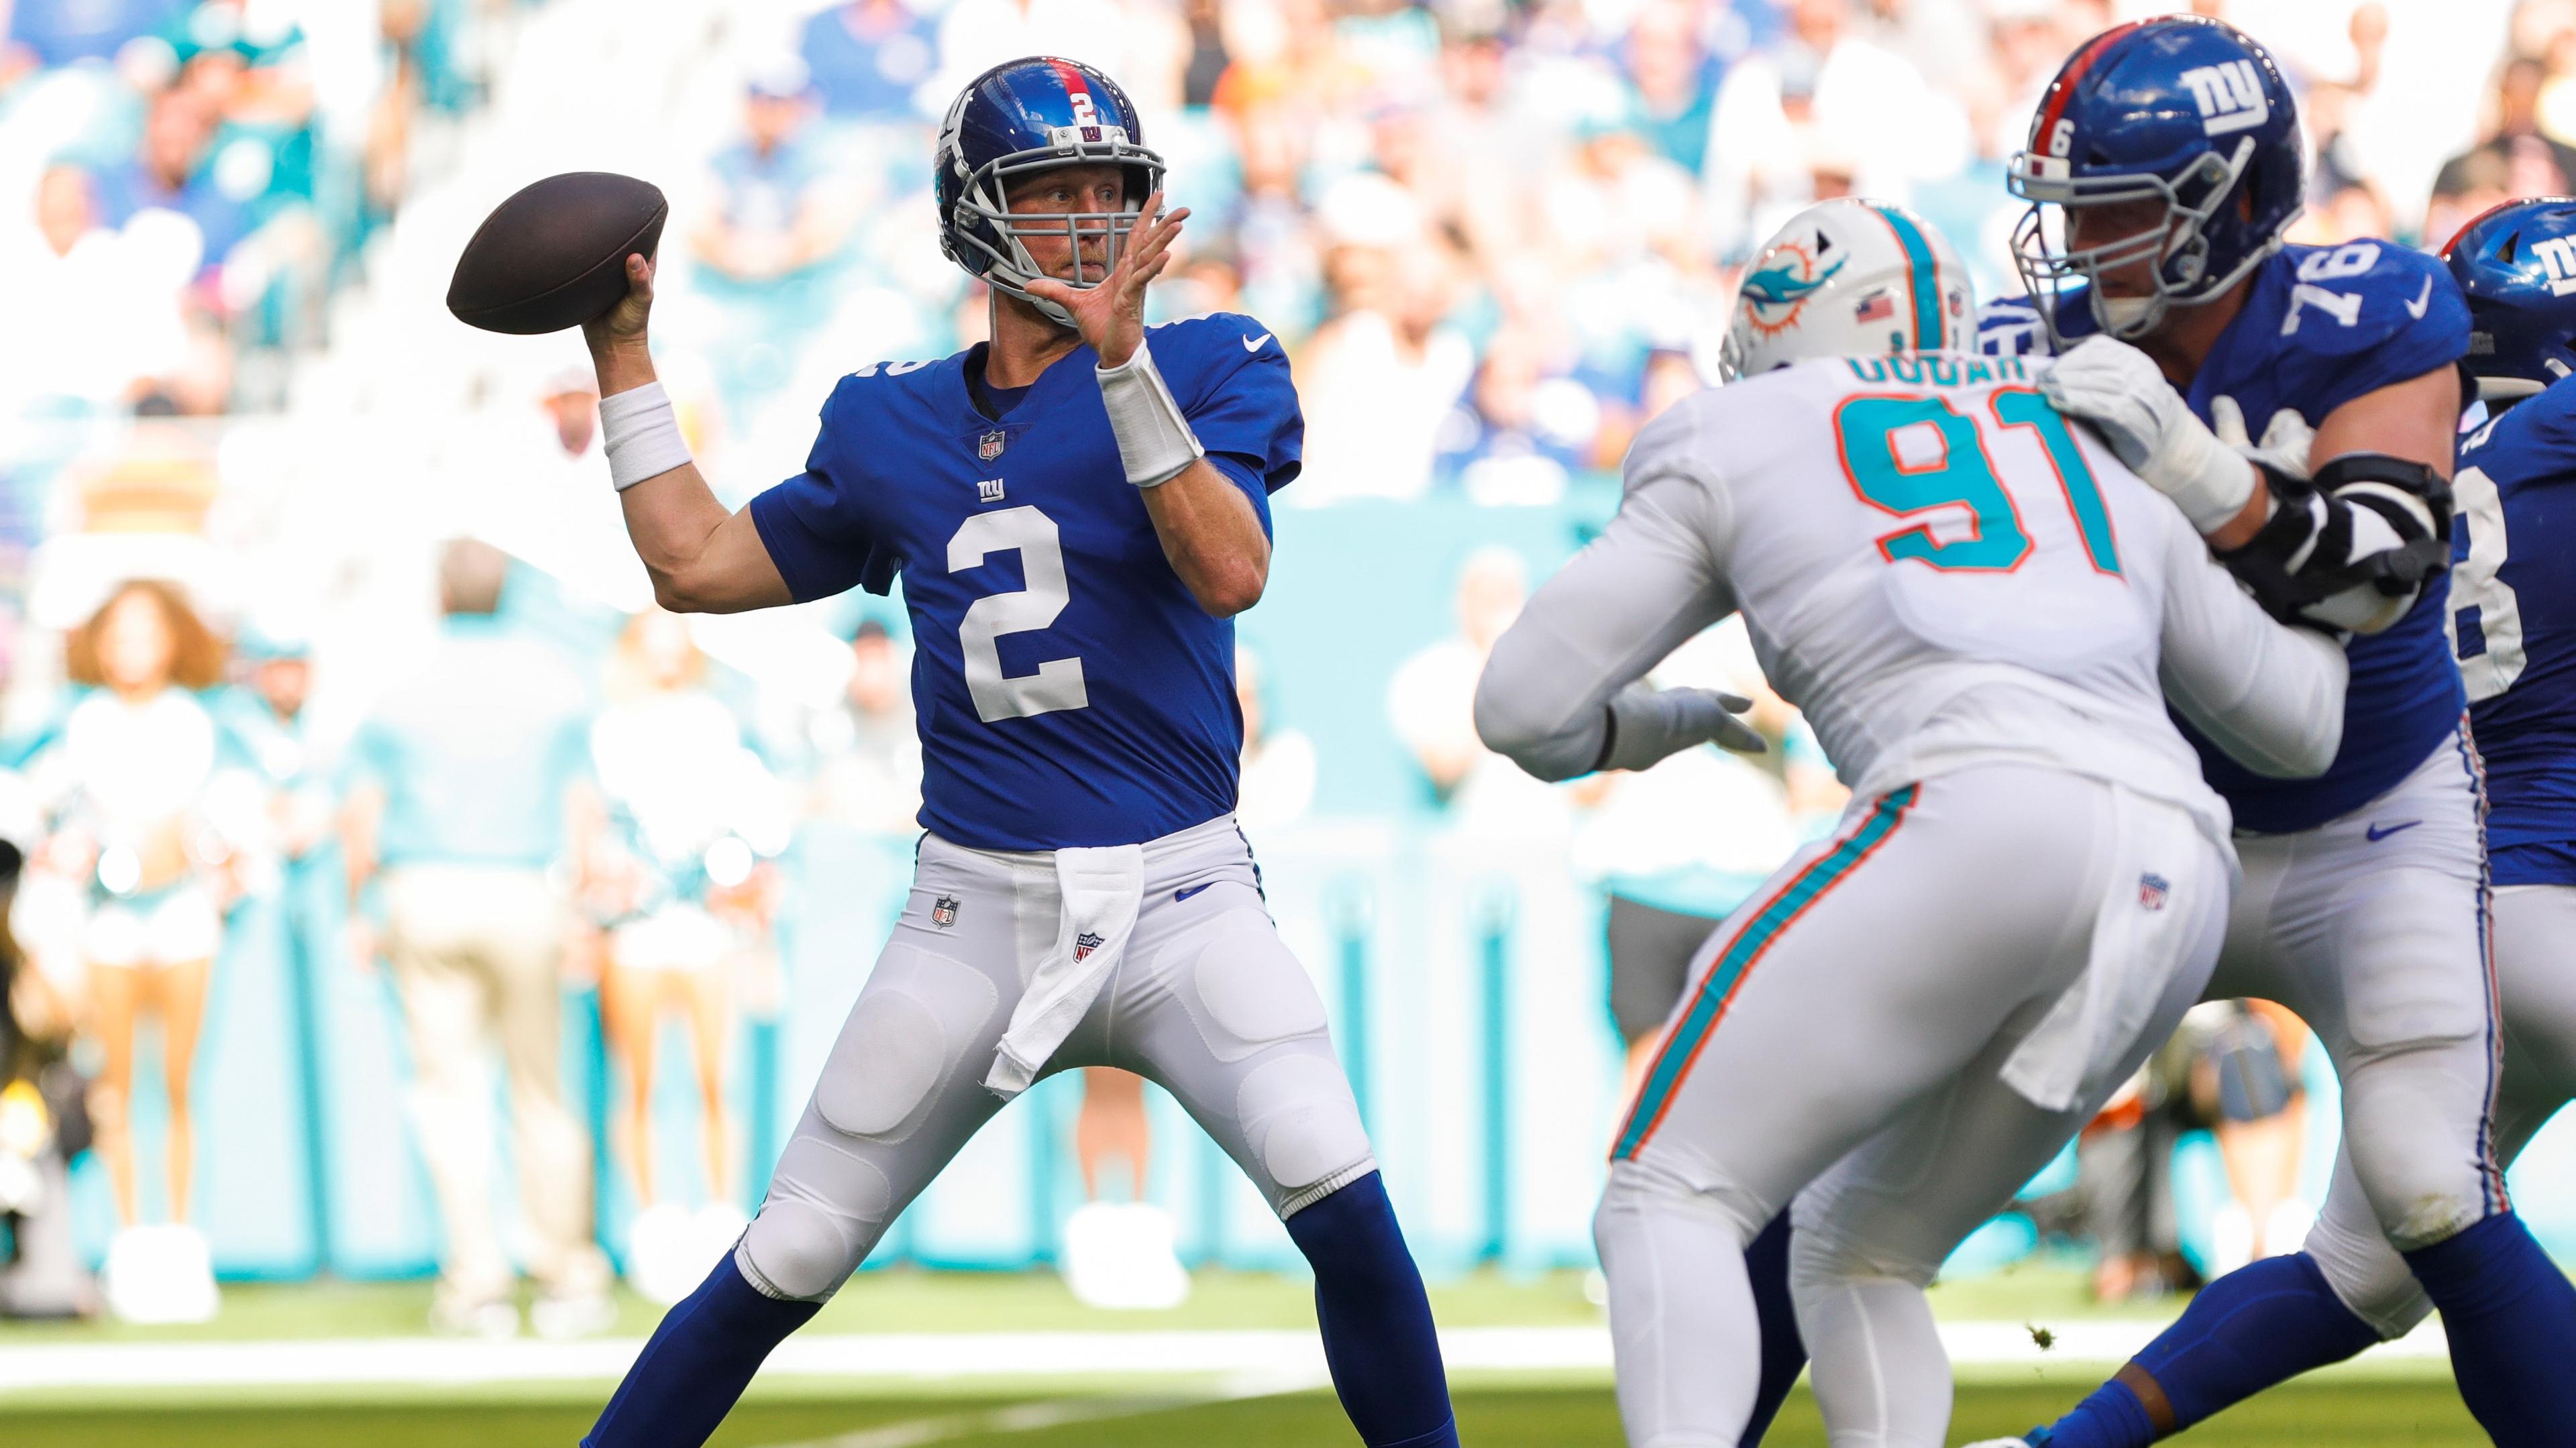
x,y
1941,571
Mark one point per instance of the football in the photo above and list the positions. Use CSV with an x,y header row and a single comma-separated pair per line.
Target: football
x,y
554,255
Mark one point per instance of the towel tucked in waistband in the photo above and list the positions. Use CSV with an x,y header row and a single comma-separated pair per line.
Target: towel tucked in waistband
x,y
1102,889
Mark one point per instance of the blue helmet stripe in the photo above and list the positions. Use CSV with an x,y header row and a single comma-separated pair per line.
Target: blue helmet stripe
x,y
1923,272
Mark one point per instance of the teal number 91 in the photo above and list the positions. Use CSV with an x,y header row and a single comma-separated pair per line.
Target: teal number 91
x,y
1865,429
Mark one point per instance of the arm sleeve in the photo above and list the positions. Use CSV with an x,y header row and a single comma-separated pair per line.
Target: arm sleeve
x,y
1647,584
816,525
2271,696
1248,409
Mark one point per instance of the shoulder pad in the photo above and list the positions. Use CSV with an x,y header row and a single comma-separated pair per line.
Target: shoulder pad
x,y
2011,327
1215,338
2360,296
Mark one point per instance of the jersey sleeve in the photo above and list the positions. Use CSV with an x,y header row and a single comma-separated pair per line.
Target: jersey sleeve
x,y
1240,398
2011,327
817,525
2346,333
2271,696
1651,581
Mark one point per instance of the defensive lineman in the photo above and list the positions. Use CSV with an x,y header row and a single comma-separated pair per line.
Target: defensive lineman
x,y
1082,895
2171,148
1982,614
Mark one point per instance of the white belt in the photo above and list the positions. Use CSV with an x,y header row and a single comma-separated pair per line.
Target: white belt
x,y
1102,889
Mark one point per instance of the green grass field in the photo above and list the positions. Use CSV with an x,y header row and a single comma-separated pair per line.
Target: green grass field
x,y
2353,1415
2409,1403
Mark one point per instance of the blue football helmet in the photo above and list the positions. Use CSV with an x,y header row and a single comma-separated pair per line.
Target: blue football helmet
x,y
1025,116
2184,110
2517,265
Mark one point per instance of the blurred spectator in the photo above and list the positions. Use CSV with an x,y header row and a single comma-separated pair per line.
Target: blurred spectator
x,y
2246,1084
867,773
106,301
1376,380
44,1124
1431,703
2513,159
684,886
46,33
1119,1251
2124,1180
773,216
467,789
265,720
171,172
1670,878
136,786
1278,764
1669,63
870,60
1519,433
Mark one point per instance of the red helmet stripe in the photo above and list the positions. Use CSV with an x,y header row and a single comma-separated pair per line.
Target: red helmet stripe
x,y
1071,75
2076,65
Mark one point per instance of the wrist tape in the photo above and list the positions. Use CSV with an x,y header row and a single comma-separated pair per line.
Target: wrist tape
x,y
1154,440
641,435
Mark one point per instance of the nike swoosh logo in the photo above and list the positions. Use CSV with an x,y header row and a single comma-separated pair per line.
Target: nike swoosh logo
x,y
1180,895
2416,307
2381,832
1253,344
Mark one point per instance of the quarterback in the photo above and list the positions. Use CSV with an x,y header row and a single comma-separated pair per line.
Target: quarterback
x,y
2170,151
1983,614
1076,511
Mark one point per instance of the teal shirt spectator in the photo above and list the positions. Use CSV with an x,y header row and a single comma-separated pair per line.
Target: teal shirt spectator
x,y
477,751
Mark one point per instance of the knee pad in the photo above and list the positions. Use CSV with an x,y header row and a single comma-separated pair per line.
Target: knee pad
x,y
906,1035
2368,1276
825,1212
1301,1123
1247,989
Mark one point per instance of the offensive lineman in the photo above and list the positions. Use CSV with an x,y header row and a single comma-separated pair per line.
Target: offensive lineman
x,y
1983,615
2171,149
1082,895
2514,627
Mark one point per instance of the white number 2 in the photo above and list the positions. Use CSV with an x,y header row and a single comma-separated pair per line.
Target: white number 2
x,y
1057,684
2474,584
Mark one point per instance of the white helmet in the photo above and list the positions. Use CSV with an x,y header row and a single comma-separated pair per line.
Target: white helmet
x,y
1849,278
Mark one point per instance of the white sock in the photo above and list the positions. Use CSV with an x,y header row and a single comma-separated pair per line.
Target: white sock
x,y
1877,1367
1682,1320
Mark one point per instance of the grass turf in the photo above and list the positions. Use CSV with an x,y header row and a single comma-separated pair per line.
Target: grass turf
x,y
2351,1414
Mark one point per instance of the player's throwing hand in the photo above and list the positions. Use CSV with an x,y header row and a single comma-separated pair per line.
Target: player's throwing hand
x,y
622,326
1111,316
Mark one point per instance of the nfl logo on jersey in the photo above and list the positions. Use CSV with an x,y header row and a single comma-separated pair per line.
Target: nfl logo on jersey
x,y
1084,944
2152,889
943,911
990,446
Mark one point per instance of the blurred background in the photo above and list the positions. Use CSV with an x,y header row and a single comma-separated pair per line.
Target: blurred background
x,y
312,599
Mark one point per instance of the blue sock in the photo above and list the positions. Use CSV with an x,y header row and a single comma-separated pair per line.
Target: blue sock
x,y
2262,1324
697,1363
1375,1319
2511,1317
1784,1353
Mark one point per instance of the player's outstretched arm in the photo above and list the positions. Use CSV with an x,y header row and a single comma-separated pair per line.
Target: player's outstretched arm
x,y
2269,694
702,558
1561,696
1209,531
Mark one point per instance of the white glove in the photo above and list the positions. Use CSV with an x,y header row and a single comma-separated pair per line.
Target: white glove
x,y
2287,438
2119,390
1647,724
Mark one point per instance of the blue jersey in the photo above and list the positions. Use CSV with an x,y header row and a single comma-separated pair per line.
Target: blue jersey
x,y
1069,689
2513,587
2321,326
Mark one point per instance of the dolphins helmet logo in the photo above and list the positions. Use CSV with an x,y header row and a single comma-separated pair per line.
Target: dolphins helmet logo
x,y
1777,291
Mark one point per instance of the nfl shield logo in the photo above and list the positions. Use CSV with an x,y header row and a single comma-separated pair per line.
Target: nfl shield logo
x,y
943,911
2152,889
1084,944
990,446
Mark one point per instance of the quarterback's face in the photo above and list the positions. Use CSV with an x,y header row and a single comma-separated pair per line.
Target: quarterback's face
x,y
1062,191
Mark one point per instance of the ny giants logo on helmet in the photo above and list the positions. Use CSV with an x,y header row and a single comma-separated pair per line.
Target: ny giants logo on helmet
x,y
2230,96
2558,255
1776,292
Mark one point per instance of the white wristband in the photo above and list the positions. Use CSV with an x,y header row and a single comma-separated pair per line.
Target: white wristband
x,y
1154,440
641,434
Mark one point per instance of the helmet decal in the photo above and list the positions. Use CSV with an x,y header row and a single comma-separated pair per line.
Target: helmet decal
x,y
2230,96
1775,295
1922,276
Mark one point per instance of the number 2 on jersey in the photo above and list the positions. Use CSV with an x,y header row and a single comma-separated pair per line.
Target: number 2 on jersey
x,y
1910,455
1058,683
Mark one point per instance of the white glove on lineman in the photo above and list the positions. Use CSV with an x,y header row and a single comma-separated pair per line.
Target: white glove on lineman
x,y
1647,723
2119,390
2287,438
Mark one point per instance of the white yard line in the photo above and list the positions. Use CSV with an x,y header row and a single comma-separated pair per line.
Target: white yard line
x,y
1295,1358
1051,1413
